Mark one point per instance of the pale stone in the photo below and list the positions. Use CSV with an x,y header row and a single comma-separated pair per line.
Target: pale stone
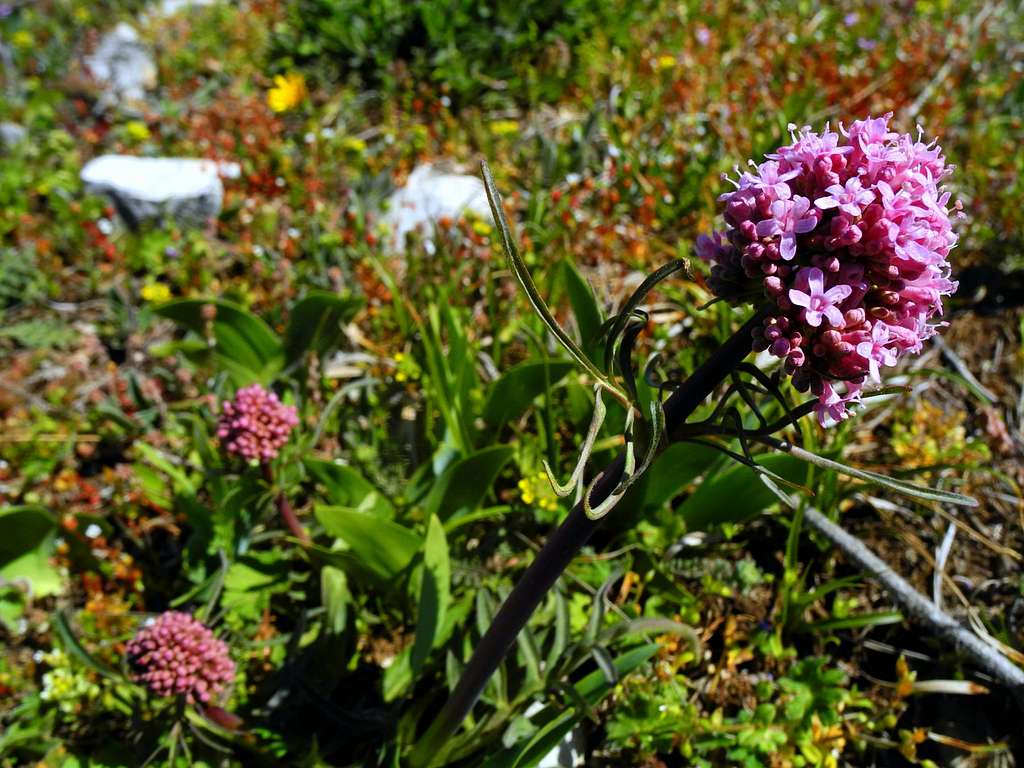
x,y
123,66
12,134
150,188
429,196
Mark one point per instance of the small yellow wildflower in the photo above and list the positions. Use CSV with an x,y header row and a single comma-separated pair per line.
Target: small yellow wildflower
x,y
481,227
156,293
288,92
406,368
536,490
504,127
354,144
137,130
23,39
666,61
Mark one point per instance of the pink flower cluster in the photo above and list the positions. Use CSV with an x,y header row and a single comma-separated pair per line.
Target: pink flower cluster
x,y
255,425
847,234
176,655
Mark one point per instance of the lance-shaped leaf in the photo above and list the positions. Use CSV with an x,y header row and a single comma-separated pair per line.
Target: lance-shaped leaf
x,y
522,274
899,486
619,322
585,450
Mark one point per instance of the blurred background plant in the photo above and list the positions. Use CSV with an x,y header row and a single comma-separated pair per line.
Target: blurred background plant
x,y
703,626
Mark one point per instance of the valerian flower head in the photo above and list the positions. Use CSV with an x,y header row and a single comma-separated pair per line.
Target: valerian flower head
x,y
848,235
255,425
176,655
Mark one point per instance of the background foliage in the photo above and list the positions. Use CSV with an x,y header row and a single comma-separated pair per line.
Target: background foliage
x,y
702,626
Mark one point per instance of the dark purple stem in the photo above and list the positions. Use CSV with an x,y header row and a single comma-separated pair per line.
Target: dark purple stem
x,y
562,547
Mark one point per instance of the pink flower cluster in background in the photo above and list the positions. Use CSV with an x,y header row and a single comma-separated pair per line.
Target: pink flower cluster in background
x,y
176,655
848,234
255,425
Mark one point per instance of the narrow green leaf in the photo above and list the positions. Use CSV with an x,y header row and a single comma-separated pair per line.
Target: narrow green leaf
x,y
435,585
856,622
900,486
75,649
584,308
522,273
336,598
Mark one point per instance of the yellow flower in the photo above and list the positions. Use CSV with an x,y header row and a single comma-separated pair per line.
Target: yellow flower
x,y
504,127
354,144
666,61
23,39
536,490
481,227
288,92
137,130
156,293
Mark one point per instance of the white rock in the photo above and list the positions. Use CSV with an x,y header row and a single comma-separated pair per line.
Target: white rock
x,y
568,753
149,188
171,7
12,134
428,196
123,65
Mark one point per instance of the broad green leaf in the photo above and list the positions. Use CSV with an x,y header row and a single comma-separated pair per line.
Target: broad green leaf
x,y
511,394
584,308
382,547
737,493
27,536
182,484
463,485
347,488
678,466
245,346
317,322
435,584
251,581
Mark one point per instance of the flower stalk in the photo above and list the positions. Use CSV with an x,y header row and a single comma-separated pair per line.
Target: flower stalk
x,y
285,508
563,545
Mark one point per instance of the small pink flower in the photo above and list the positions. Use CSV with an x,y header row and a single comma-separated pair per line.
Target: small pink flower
x,y
175,655
770,179
789,219
255,425
818,302
875,351
848,199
